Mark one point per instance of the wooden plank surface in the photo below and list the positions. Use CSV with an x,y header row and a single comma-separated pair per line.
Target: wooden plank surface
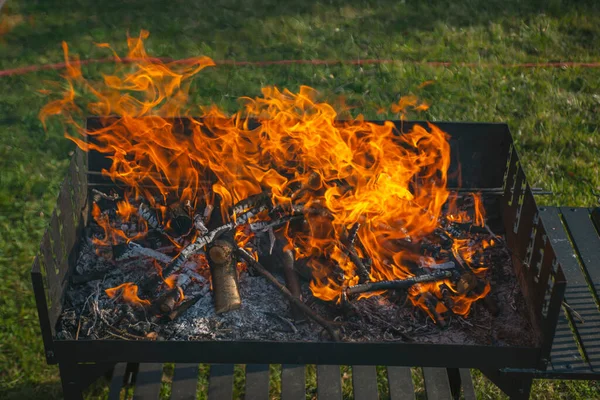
x,y
580,296
400,383
329,382
220,385
147,382
565,353
257,381
185,382
467,384
437,385
116,382
364,382
293,382
587,242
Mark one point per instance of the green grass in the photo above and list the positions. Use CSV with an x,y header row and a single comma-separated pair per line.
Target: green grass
x,y
554,114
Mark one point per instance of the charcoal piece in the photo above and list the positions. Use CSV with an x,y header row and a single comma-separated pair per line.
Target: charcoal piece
x,y
180,222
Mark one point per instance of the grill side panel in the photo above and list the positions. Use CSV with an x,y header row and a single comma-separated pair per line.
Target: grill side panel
x,y
539,274
59,248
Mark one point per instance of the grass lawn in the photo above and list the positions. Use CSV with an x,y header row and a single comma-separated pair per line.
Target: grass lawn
x,y
554,114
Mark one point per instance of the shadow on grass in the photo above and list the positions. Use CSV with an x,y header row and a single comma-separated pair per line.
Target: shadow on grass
x,y
30,391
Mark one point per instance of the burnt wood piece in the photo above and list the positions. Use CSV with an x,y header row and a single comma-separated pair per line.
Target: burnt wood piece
x,y
364,382
437,384
183,307
400,383
257,381
565,353
398,284
149,215
180,221
293,283
220,385
362,270
223,269
185,382
148,380
117,381
293,383
329,382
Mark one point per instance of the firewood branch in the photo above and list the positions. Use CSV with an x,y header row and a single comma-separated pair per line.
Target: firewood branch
x,y
287,294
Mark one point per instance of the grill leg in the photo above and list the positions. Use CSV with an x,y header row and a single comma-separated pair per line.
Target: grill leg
x,y
455,382
517,387
71,384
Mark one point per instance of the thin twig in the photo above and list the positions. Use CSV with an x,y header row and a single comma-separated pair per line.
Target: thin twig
x,y
286,293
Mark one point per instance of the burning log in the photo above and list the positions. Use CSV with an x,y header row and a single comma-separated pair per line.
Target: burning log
x,y
264,226
246,216
363,272
196,247
223,262
466,283
101,195
397,284
350,251
257,200
150,217
207,213
305,309
167,301
431,302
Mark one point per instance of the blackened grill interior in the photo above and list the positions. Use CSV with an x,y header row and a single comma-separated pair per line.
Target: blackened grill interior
x,y
89,314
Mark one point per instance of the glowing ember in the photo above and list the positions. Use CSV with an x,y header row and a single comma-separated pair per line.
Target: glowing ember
x,y
338,174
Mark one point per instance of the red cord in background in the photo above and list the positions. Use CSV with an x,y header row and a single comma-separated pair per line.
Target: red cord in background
x,y
57,66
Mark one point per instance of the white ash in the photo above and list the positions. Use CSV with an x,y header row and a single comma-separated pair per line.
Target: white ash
x,y
264,315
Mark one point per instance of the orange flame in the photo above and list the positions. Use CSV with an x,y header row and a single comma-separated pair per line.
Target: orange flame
x,y
129,292
349,171
479,210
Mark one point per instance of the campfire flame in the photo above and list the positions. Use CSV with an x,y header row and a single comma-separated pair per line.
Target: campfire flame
x,y
351,171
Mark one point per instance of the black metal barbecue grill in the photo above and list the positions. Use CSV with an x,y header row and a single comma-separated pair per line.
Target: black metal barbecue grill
x,y
489,163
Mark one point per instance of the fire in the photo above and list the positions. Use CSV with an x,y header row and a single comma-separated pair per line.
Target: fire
x,y
129,292
347,172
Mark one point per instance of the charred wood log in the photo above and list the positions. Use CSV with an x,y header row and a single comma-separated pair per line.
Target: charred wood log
x,y
292,283
398,284
466,283
168,301
149,215
329,326
180,221
257,200
223,268
431,303
363,272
